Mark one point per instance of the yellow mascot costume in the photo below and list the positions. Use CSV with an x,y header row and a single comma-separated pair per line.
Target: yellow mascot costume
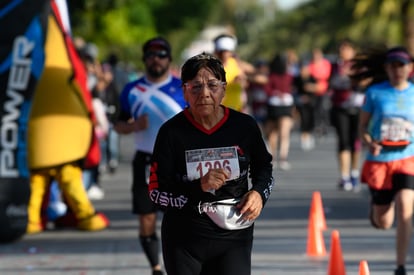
x,y
60,132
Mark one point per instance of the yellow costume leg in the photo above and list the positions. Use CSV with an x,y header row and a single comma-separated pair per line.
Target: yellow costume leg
x,y
70,182
38,184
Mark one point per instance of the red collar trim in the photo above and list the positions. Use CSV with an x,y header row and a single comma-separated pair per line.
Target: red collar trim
x,y
201,128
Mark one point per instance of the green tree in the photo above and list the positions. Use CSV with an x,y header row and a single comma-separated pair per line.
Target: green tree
x,y
318,23
322,23
387,21
123,26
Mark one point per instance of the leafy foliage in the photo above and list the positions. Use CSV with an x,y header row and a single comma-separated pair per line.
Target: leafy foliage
x,y
262,29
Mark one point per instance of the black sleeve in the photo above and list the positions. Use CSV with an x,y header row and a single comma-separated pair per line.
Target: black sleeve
x,y
167,189
261,169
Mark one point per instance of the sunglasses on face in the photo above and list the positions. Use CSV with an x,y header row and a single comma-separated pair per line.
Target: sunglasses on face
x,y
159,54
197,87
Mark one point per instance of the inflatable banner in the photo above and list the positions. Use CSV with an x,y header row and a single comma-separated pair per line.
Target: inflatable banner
x,y
22,37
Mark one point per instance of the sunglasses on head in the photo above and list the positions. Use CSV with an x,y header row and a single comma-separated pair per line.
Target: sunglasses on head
x,y
159,54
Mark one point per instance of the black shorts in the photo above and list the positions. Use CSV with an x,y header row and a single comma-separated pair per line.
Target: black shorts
x,y
276,112
141,202
399,181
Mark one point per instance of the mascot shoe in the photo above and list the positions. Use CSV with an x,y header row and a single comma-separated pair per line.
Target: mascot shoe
x,y
95,223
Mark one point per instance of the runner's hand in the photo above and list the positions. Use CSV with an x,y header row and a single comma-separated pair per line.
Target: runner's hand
x,y
141,123
251,205
375,148
214,179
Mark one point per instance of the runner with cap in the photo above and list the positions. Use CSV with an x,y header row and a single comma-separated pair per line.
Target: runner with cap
x,y
145,104
387,129
224,48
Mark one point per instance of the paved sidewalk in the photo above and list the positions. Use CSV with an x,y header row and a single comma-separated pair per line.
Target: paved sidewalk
x,y
280,232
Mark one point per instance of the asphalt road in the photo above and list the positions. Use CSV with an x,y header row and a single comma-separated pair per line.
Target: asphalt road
x,y
281,232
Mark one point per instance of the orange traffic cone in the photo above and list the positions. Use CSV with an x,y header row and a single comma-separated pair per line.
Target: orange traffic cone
x,y
336,262
363,268
316,243
316,210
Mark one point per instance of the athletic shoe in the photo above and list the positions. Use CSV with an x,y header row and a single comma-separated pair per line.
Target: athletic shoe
x,y
103,168
345,185
284,165
356,186
55,210
307,144
95,193
113,165
400,271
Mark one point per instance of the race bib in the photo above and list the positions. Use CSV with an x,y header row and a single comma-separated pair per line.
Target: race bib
x,y
395,131
200,161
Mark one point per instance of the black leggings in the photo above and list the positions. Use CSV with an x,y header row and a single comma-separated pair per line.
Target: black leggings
x,y
346,126
207,257
307,117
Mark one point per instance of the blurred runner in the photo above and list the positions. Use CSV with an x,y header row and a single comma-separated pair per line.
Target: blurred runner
x,y
146,104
